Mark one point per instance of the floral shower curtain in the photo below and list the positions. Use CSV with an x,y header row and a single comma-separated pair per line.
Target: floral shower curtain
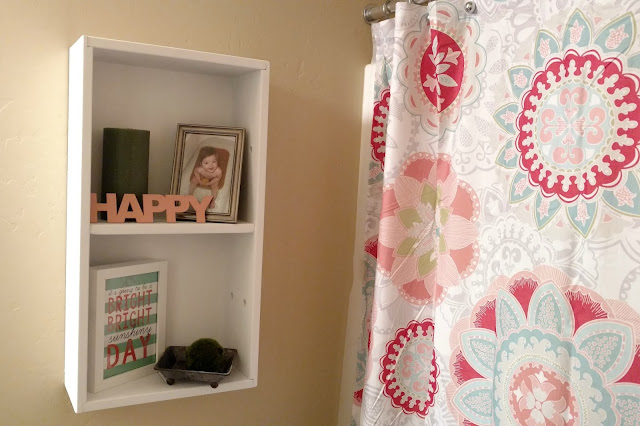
x,y
502,255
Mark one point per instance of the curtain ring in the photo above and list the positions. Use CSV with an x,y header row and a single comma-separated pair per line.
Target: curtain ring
x,y
470,7
385,8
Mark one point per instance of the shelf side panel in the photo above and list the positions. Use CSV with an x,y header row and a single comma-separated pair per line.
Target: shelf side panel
x,y
77,238
251,112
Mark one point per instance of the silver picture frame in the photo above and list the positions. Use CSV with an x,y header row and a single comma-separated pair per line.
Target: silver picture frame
x,y
208,161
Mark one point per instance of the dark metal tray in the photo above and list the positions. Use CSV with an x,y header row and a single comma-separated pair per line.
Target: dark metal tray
x,y
172,367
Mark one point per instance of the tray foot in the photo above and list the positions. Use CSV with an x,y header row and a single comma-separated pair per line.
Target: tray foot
x,y
166,379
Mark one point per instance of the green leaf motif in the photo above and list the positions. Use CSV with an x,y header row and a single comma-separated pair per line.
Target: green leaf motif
x,y
429,195
508,155
444,215
427,263
506,117
625,198
479,348
520,189
546,46
582,216
509,314
520,79
550,311
474,399
578,31
442,244
545,210
619,35
627,399
408,217
610,345
634,60
406,247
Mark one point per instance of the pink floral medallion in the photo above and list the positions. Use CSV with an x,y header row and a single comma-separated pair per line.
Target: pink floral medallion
x,y
379,127
428,237
409,368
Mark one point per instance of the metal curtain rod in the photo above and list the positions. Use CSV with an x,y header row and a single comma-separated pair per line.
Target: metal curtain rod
x,y
373,13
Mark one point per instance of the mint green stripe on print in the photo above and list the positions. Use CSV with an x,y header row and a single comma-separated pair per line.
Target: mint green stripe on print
x,y
140,279
122,306
130,325
131,365
137,343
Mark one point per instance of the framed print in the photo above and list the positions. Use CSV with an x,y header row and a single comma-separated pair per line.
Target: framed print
x,y
127,321
208,161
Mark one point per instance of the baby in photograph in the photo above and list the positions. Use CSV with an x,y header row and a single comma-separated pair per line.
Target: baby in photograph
x,y
206,172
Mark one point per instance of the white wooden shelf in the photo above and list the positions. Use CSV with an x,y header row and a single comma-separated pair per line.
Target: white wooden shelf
x,y
214,269
159,228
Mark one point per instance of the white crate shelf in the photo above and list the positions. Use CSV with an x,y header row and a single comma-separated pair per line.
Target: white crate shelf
x,y
215,269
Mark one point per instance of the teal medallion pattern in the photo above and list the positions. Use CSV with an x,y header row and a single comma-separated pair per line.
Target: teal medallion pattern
x,y
573,135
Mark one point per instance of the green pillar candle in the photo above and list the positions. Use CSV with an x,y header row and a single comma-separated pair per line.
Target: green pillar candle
x,y
125,162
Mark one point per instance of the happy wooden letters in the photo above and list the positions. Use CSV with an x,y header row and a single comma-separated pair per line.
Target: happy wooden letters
x,y
151,203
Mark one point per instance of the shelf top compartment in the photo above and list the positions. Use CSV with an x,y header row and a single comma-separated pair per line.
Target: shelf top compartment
x,y
169,58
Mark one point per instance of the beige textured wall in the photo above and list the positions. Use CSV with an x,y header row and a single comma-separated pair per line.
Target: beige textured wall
x,y
317,50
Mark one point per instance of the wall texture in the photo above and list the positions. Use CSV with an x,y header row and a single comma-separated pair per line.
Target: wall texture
x,y
317,50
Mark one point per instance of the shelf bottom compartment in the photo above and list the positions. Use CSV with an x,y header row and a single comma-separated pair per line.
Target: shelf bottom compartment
x,y
153,388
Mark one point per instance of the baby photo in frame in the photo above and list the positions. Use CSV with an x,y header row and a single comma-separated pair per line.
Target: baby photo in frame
x,y
208,161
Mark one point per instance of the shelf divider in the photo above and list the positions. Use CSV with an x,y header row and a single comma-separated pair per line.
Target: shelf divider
x,y
186,227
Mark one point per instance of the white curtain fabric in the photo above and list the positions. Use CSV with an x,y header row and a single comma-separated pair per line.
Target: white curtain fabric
x,y
499,217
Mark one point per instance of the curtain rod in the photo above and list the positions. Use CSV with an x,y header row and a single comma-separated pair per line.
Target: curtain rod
x,y
373,13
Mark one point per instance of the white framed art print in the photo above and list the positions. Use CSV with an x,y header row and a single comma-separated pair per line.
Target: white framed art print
x,y
127,321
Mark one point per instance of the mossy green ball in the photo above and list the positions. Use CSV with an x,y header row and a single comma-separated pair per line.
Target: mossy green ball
x,y
206,355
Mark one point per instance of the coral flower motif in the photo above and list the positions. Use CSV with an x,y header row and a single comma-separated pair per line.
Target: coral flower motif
x,y
428,239
538,400
543,351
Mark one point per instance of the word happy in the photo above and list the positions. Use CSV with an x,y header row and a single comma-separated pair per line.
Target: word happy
x,y
151,203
